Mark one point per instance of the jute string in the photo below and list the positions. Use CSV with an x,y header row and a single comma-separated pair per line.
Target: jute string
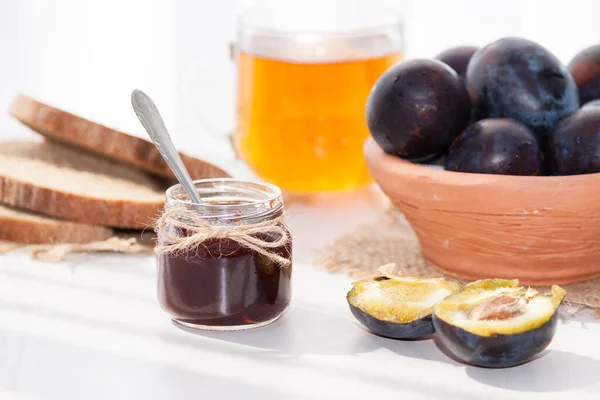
x,y
251,236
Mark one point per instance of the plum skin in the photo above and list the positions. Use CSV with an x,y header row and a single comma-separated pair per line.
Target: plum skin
x,y
496,146
585,69
496,351
457,58
410,330
574,143
416,109
519,79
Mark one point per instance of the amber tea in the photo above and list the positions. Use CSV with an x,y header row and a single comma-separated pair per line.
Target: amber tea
x,y
302,126
305,70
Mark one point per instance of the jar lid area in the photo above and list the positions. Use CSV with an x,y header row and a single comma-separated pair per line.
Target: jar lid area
x,y
229,198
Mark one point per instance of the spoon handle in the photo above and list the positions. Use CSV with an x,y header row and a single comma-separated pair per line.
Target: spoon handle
x,y
148,114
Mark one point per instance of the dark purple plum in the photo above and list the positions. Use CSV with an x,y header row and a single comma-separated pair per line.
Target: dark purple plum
x,y
417,108
519,79
574,144
585,68
496,146
457,58
593,103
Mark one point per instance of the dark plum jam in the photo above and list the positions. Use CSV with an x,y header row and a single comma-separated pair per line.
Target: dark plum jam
x,y
222,285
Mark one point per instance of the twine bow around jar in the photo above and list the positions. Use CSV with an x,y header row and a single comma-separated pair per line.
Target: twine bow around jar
x,y
251,236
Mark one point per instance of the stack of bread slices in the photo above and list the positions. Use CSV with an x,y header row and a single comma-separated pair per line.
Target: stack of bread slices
x,y
82,182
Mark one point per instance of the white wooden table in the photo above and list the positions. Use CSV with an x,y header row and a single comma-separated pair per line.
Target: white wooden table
x,y
91,328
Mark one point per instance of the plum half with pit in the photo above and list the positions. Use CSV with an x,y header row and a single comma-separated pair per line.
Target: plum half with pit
x,y
496,323
496,146
457,58
574,143
519,79
416,109
585,68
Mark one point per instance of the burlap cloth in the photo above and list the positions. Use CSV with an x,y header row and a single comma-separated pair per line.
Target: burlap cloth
x,y
390,239
123,242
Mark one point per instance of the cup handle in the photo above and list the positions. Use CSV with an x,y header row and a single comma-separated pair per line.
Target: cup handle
x,y
199,77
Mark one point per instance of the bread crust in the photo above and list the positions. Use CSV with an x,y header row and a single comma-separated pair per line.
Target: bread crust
x,y
78,208
71,129
49,231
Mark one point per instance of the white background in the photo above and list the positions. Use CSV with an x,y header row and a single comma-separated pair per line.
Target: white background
x,y
87,55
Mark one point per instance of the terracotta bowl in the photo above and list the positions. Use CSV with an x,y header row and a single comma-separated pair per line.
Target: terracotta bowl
x,y
541,230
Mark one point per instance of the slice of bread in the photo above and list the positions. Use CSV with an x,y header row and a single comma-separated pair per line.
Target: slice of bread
x,y
58,181
63,126
21,226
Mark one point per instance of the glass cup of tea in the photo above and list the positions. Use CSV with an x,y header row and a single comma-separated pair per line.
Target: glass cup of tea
x,y
304,72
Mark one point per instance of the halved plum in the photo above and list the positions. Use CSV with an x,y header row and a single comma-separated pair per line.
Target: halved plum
x,y
396,306
497,323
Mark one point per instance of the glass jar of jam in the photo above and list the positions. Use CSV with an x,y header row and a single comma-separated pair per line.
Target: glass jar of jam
x,y
218,279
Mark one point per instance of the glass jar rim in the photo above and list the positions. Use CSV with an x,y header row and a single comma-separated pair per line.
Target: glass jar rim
x,y
392,17
268,198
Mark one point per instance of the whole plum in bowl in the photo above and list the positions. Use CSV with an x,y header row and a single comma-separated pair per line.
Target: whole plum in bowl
x,y
585,68
493,212
415,109
496,146
574,143
457,58
519,79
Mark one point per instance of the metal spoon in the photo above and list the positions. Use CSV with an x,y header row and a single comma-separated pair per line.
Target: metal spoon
x,y
148,114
